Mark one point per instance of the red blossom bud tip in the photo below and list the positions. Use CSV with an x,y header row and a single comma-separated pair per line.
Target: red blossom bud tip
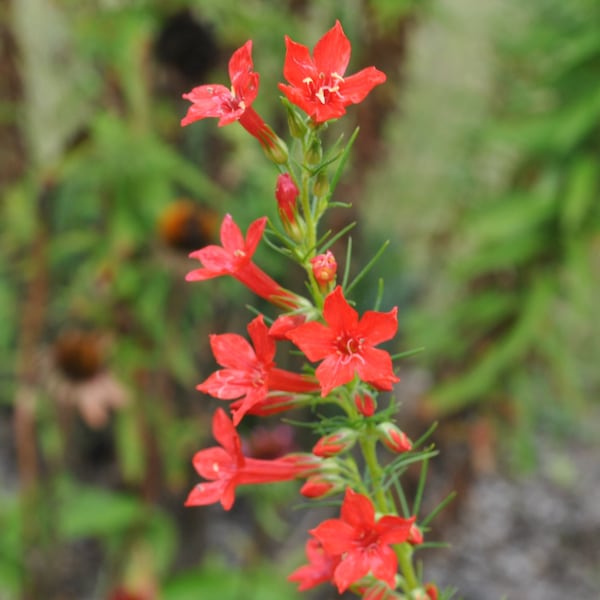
x,y
317,486
415,535
394,438
286,193
335,443
324,267
431,591
365,403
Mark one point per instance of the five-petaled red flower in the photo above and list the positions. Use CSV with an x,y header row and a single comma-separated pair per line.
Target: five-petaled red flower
x,y
362,541
346,344
229,105
226,467
317,84
234,258
250,372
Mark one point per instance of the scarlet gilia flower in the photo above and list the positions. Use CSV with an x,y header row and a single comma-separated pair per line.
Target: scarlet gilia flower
x,y
250,371
393,438
234,258
225,467
346,344
320,568
317,83
324,268
362,542
235,104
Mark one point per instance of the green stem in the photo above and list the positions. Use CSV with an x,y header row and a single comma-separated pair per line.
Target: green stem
x,y
404,553
368,444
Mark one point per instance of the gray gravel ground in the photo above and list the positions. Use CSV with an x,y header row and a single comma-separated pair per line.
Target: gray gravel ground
x,y
528,538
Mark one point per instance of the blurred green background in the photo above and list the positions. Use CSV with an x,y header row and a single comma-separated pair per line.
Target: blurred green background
x,y
479,160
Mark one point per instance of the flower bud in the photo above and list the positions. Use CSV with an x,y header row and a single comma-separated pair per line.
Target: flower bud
x,y
333,444
394,438
286,193
314,154
415,535
275,149
365,403
317,486
321,186
296,123
324,267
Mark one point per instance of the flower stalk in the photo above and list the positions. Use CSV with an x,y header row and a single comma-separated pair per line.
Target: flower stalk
x,y
368,550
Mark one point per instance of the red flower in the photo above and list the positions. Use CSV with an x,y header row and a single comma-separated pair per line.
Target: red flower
x,y
229,105
317,84
250,373
234,258
362,542
324,268
320,568
226,467
346,344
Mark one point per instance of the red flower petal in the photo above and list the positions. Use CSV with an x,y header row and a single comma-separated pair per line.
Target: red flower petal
x,y
314,339
298,64
338,314
357,510
357,87
378,327
264,345
233,351
332,51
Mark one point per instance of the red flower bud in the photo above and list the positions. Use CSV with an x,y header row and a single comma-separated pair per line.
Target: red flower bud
x,y
324,267
431,591
333,444
415,535
286,193
394,438
317,486
365,404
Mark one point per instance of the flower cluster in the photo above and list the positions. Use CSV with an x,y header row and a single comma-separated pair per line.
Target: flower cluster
x,y
369,548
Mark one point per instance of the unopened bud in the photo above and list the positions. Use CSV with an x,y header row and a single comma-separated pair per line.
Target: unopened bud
x,y
365,404
394,438
324,267
286,194
415,535
335,443
275,148
317,486
314,154
296,123
321,186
